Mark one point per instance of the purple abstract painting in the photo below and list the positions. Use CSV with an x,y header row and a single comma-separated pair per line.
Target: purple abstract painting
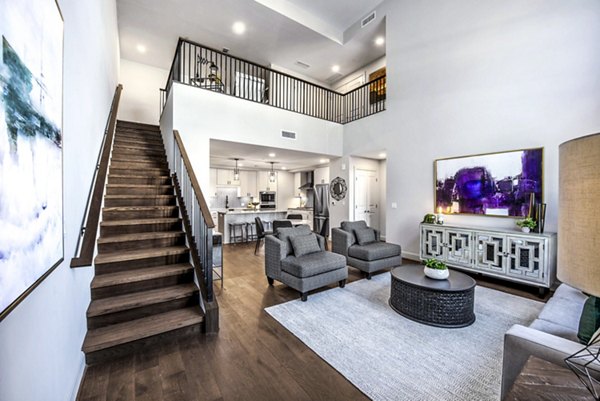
x,y
495,184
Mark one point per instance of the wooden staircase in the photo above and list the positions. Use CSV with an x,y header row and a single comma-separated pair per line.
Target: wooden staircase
x,y
143,290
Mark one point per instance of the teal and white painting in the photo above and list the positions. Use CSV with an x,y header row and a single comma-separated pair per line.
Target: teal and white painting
x,y
31,193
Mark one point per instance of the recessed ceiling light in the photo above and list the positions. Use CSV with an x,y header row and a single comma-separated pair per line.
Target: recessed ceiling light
x,y
272,155
241,164
283,168
335,68
382,155
141,48
323,160
379,41
238,28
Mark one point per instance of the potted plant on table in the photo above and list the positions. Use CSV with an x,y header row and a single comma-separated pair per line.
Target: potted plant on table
x,y
436,270
527,224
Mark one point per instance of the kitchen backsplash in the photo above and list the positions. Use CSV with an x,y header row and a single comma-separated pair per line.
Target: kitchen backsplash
x,y
218,202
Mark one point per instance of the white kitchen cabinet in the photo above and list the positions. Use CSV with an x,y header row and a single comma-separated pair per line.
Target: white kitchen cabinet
x,y
507,254
263,181
321,175
212,189
225,178
285,191
248,183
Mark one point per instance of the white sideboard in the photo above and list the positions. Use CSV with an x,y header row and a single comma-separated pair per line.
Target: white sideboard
x,y
506,254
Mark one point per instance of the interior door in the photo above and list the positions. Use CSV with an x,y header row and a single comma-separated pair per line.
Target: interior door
x,y
366,197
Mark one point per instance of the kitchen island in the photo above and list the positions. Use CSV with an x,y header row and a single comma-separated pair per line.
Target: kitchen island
x,y
245,216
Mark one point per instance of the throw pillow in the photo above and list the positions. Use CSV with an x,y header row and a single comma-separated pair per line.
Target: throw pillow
x,y
285,234
305,244
365,236
590,320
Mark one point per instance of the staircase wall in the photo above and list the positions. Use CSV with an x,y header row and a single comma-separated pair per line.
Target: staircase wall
x,y
201,115
40,340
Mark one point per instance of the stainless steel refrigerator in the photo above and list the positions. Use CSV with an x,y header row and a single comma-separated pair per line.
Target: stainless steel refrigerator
x,y
321,209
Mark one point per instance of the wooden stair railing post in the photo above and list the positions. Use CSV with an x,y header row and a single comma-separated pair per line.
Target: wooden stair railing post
x,y
89,226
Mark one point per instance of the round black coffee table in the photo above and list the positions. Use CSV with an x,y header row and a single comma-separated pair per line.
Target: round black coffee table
x,y
442,303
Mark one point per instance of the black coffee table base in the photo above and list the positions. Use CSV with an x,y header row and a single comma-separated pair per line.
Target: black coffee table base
x,y
433,306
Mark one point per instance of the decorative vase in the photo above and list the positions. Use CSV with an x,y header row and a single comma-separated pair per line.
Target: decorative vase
x,y
525,229
436,274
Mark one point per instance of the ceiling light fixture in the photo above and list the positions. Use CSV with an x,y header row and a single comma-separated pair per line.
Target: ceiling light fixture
x,y
238,28
272,174
141,48
323,160
335,68
382,155
236,171
283,168
272,155
379,41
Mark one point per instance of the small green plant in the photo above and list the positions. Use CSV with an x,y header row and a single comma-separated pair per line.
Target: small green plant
x,y
435,264
527,222
429,218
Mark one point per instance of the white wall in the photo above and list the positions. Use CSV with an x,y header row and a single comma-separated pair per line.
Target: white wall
x,y
468,77
140,97
361,72
200,115
40,340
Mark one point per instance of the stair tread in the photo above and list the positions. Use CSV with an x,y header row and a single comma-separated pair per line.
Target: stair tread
x,y
138,176
99,307
138,236
131,222
140,185
134,276
121,333
136,196
122,255
137,208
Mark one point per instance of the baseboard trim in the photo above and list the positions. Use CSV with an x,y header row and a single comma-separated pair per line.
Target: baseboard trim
x,y
411,256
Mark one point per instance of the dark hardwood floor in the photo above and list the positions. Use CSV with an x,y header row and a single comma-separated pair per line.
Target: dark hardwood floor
x,y
252,358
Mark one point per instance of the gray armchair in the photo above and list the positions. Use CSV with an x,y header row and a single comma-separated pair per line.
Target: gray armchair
x,y
302,271
366,254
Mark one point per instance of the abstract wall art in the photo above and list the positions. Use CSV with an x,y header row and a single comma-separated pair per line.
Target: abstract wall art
x,y
493,184
31,192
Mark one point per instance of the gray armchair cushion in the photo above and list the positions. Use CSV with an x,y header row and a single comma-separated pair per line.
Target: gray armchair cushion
x,y
284,235
555,329
563,311
312,264
350,226
374,251
364,236
304,244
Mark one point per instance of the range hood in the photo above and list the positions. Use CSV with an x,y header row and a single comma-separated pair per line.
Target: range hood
x,y
306,180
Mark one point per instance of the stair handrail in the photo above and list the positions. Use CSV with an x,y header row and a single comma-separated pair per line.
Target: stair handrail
x,y
86,241
199,227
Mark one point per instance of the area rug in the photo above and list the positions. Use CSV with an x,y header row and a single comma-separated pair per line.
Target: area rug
x,y
389,357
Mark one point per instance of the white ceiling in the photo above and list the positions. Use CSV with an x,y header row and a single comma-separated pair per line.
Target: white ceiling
x,y
270,38
255,157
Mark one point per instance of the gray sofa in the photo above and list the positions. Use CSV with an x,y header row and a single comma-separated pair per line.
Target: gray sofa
x,y
369,257
306,272
552,336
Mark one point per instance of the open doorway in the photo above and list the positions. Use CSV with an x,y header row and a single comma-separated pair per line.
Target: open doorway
x,y
369,193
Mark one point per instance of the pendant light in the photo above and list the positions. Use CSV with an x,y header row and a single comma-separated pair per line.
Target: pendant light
x,y
236,171
272,173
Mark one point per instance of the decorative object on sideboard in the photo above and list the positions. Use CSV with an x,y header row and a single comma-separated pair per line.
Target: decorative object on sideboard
x,y
578,233
492,184
429,218
586,365
527,224
435,269
439,217
540,217
338,188
31,153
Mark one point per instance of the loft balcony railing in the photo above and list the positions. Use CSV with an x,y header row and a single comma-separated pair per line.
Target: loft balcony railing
x,y
210,69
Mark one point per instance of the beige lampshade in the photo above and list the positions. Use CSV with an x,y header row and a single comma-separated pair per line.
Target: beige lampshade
x,y
579,214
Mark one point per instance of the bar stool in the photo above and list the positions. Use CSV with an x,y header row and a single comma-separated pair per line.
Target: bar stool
x,y
250,231
234,237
